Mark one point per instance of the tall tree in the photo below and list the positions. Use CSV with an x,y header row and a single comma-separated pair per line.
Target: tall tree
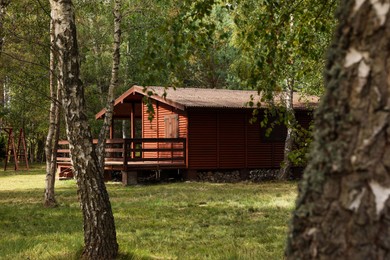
x,y
99,227
343,204
113,83
24,69
282,46
53,134
193,46
290,136
3,7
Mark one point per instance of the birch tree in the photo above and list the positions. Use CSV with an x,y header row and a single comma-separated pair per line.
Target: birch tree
x,y
3,7
53,134
282,46
290,123
343,207
113,82
99,227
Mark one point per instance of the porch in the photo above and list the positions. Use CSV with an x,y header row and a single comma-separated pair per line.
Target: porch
x,y
133,154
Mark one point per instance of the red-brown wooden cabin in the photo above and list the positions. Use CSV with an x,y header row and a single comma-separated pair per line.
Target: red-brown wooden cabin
x,y
192,129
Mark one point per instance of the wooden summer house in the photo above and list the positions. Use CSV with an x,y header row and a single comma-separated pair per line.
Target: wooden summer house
x,y
192,129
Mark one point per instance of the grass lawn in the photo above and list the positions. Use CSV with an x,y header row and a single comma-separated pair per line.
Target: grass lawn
x,y
164,221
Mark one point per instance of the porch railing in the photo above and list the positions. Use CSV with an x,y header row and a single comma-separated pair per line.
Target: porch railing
x,y
136,151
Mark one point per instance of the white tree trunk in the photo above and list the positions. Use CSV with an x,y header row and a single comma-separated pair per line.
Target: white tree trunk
x,y
51,143
3,80
343,206
113,83
288,145
3,7
99,227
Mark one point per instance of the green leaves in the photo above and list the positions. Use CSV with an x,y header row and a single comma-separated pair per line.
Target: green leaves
x,y
245,44
282,39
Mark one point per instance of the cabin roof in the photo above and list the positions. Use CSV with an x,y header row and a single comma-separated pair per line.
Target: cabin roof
x,y
182,98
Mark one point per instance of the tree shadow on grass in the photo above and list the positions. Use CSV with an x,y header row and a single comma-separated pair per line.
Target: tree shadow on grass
x,y
131,256
36,232
33,229
164,217
33,169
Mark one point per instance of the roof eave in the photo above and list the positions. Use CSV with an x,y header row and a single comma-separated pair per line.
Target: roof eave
x,y
140,90
119,100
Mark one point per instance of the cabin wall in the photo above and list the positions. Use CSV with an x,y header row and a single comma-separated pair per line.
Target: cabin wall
x,y
231,140
225,139
165,110
149,130
156,127
202,140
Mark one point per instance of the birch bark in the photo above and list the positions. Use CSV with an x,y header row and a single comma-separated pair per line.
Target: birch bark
x,y
289,142
343,207
3,7
99,227
113,83
51,143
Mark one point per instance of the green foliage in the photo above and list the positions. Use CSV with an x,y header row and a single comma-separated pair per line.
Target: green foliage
x,y
303,139
280,40
244,44
193,49
165,221
24,71
281,45
276,116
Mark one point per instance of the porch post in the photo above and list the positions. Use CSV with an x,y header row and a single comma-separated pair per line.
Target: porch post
x,y
112,129
129,178
132,128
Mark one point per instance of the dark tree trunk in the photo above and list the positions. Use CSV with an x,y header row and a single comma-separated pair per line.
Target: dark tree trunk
x,y
343,209
99,228
40,150
32,147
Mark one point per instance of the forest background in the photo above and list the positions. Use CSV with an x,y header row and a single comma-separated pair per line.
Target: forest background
x,y
261,45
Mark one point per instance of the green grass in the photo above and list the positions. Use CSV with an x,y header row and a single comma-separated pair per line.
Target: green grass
x,y
164,221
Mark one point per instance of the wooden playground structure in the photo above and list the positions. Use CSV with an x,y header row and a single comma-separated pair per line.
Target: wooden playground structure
x,y
15,152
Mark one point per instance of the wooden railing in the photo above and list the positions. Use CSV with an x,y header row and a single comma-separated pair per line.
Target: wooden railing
x,y
136,151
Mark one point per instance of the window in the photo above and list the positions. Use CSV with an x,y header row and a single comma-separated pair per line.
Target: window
x,y
171,123
138,127
121,128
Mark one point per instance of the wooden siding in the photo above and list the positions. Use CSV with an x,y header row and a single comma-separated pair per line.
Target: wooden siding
x,y
156,128
231,139
166,112
202,140
225,139
216,139
258,153
149,129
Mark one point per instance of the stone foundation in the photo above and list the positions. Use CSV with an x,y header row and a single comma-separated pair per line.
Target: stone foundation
x,y
233,176
260,175
219,176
